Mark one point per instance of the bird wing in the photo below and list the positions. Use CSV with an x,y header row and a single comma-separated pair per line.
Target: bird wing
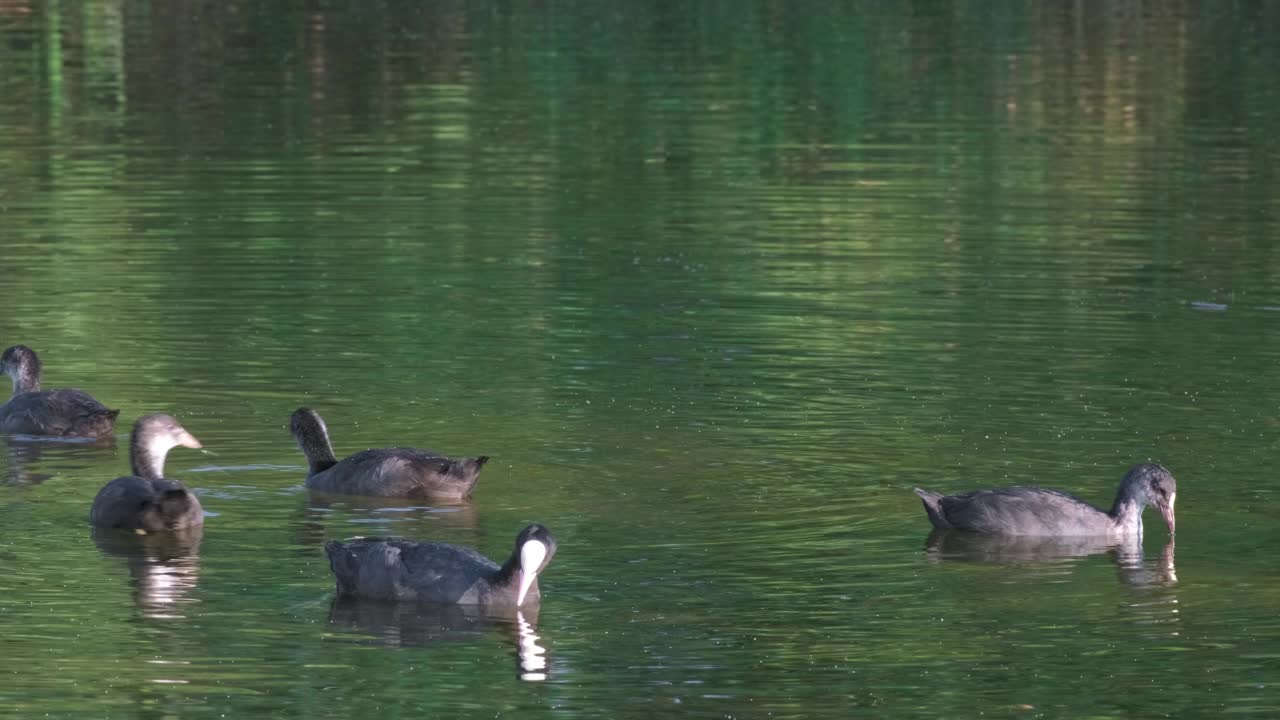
x,y
1022,511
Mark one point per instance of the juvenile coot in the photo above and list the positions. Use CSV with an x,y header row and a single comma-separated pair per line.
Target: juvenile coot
x,y
1036,511
387,472
32,411
390,569
147,500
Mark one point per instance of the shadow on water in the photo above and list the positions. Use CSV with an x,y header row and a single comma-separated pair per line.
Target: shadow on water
x,y
164,567
422,624
28,453
1133,568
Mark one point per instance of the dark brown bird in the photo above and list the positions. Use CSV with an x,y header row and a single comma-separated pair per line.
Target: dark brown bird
x,y
32,411
386,472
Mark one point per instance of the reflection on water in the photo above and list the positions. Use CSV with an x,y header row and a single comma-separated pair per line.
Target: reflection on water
x,y
710,279
27,454
164,567
23,461
326,515
461,513
422,624
531,656
1055,552
1135,570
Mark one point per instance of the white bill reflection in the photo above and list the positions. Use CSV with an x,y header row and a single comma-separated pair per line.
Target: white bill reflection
x,y
1054,555
533,657
407,624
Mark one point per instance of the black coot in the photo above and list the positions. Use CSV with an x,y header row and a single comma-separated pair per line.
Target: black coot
x,y
390,569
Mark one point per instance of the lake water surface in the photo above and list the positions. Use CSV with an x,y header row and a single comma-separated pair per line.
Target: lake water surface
x,y
715,285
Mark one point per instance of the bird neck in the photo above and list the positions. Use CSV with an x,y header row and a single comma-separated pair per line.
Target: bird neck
x,y
319,451
1127,510
146,458
509,573
25,379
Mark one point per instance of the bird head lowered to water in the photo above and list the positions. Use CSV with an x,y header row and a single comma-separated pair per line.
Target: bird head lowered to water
x,y
535,546
1147,484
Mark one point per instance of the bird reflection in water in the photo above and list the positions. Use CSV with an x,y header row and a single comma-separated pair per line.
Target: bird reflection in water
x,y
28,454
1156,603
420,624
1134,570
1151,584
164,567
532,656
324,512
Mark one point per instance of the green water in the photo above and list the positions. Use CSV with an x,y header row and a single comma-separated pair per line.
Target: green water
x,y
715,284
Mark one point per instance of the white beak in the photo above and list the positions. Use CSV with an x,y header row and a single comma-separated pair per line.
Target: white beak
x,y
532,554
